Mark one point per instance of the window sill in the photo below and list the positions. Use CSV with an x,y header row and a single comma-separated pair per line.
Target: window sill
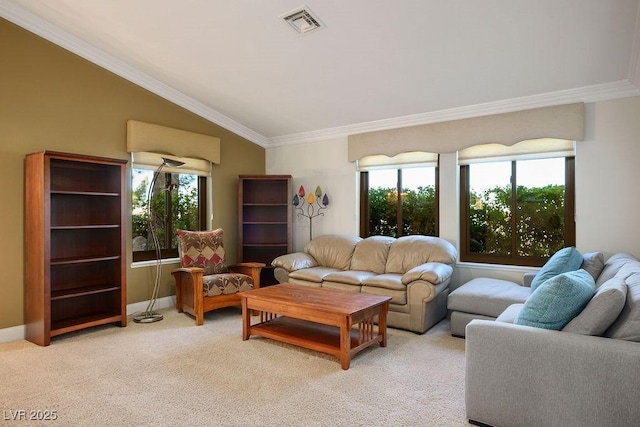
x,y
495,267
152,263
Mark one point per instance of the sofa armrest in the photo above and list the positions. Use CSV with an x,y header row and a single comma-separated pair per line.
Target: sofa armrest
x,y
294,261
543,377
432,272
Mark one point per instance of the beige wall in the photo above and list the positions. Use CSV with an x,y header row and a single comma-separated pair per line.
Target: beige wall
x,y
51,99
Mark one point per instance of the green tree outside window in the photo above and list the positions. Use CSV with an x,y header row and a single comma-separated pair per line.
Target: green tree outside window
x,y
174,203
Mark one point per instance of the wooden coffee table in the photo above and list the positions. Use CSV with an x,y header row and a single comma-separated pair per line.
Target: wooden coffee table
x,y
316,318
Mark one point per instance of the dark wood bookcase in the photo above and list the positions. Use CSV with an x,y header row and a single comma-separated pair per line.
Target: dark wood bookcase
x,y
264,220
75,274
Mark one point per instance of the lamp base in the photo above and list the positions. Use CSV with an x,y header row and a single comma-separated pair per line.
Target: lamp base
x,y
148,318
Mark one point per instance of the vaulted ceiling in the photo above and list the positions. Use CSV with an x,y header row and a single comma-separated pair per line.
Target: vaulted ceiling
x,y
375,64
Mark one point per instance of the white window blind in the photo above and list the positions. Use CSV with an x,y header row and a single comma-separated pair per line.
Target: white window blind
x,y
400,161
145,160
525,150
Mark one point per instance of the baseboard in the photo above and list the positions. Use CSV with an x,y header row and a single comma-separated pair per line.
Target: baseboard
x,y
13,334
17,333
161,303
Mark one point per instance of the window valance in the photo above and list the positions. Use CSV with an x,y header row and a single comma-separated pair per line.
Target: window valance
x,y
147,137
561,122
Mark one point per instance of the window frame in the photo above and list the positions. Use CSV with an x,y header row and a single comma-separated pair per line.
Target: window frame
x,y
364,202
514,259
148,255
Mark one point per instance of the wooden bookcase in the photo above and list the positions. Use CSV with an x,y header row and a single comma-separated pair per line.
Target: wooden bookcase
x,y
75,273
264,220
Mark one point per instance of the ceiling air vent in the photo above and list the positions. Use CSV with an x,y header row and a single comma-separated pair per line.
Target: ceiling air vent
x,y
303,20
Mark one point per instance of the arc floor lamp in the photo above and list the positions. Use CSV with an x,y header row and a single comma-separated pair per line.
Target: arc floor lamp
x,y
150,315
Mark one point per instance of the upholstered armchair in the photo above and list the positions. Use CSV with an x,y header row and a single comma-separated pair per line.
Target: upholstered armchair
x,y
205,282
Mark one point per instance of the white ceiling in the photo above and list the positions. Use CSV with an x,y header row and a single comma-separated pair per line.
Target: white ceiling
x,y
377,64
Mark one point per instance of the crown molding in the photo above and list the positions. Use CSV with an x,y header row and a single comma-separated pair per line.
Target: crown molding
x,y
50,32
596,93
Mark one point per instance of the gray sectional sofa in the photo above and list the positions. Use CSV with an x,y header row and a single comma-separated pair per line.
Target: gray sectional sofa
x,y
587,374
414,271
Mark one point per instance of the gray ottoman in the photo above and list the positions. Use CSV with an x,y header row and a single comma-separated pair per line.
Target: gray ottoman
x,y
482,298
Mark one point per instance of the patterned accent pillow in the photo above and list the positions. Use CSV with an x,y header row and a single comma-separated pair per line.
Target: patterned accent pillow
x,y
202,249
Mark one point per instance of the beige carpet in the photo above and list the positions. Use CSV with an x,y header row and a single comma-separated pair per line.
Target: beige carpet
x,y
174,373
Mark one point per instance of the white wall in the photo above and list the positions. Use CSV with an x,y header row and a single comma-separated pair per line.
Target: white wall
x,y
608,179
607,182
324,164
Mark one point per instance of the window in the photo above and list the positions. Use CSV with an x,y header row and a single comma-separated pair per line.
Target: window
x,y
517,212
178,202
399,202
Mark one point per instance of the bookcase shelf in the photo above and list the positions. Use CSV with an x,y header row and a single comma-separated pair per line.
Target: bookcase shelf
x,y
82,291
74,243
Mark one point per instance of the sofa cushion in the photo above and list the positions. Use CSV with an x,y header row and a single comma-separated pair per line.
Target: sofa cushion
x,y
558,300
203,249
371,254
566,259
398,296
488,297
387,281
408,252
333,251
350,277
601,311
593,263
314,274
613,265
354,289
627,325
510,314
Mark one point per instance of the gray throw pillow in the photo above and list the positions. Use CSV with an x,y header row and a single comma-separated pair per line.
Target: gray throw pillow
x,y
603,309
593,263
627,325
613,265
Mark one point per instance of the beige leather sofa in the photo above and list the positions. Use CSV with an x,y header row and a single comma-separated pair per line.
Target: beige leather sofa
x,y
414,271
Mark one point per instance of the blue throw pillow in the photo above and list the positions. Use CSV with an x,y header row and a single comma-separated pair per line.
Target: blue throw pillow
x,y
558,300
566,259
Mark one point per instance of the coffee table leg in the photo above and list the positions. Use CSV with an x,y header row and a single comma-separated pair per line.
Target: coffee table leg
x,y
345,343
382,324
246,320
